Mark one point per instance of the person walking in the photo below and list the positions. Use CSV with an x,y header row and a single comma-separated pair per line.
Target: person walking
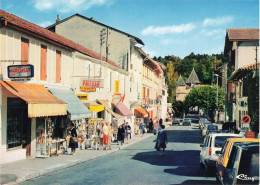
x,y
142,127
151,126
162,140
73,139
128,131
105,132
120,135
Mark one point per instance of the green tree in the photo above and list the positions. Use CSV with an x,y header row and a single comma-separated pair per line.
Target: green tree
x,y
171,77
204,97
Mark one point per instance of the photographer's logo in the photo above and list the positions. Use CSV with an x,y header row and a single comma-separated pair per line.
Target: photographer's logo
x,y
245,177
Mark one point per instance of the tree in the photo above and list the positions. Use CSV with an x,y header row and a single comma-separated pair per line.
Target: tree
x,y
204,97
171,77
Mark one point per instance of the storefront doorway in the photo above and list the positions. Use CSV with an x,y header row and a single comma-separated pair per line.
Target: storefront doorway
x,y
18,125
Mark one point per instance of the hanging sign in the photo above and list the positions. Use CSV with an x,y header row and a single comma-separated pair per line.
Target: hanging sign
x,y
91,83
82,96
20,71
87,89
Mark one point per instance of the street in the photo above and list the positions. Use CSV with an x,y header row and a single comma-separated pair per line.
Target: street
x,y
141,164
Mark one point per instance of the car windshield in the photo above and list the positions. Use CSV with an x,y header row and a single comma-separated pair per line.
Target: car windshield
x,y
212,127
220,140
249,164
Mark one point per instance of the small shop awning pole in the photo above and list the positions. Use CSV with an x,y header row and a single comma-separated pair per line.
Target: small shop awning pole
x,y
45,142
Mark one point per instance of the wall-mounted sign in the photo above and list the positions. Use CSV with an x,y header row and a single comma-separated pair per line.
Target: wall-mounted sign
x,y
86,89
91,83
116,86
20,71
82,96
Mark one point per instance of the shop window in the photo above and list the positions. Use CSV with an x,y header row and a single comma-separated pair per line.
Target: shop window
x,y
18,124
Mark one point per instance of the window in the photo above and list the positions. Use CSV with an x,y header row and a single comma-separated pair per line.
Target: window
x,y
43,63
18,123
24,51
143,92
58,66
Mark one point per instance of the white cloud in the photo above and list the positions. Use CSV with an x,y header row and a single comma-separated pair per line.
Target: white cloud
x,y
183,28
214,32
166,41
45,24
68,5
218,21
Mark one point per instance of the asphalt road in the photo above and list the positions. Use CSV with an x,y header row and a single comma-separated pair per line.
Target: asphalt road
x,y
141,164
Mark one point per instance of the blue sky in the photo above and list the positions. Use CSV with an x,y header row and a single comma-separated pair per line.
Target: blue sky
x,y
167,27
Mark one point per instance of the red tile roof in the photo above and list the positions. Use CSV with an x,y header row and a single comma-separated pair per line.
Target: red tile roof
x,y
239,73
37,31
251,34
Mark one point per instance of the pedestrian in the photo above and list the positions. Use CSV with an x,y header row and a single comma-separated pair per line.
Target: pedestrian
x,y
120,135
105,136
73,139
151,126
161,140
142,129
160,121
128,131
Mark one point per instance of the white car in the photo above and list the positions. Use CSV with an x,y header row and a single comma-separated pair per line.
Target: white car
x,y
212,143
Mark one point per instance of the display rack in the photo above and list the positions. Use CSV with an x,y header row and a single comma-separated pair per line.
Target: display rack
x,y
42,139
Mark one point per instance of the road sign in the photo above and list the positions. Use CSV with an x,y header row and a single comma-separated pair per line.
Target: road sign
x,y
246,119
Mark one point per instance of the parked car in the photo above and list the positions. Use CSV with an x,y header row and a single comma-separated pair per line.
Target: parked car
x,y
213,143
204,130
201,121
243,165
226,150
176,121
211,128
186,121
205,123
194,118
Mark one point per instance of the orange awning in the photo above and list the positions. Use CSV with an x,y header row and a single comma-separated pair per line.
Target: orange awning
x,y
41,102
141,111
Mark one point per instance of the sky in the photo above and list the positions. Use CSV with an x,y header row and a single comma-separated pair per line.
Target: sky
x,y
167,27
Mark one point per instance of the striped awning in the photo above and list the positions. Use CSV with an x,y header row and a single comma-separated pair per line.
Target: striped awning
x,y
123,109
41,102
76,109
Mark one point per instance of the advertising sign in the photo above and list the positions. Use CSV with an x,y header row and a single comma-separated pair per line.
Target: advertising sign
x,y
20,71
82,96
117,87
86,89
91,83
250,134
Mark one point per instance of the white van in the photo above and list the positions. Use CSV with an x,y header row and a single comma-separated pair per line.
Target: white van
x,y
212,143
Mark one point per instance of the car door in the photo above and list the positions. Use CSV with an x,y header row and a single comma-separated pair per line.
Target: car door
x,y
204,149
232,167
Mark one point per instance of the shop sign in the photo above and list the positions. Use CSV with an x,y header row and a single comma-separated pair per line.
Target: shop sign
x,y
20,71
87,89
91,83
250,134
82,96
117,87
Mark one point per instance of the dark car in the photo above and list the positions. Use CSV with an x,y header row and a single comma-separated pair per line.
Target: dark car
x,y
176,121
243,165
186,121
211,128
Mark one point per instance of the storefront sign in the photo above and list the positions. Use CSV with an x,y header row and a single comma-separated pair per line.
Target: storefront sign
x,y
82,96
20,71
87,89
250,134
91,83
117,87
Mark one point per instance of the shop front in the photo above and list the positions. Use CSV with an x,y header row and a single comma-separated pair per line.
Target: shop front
x,y
77,113
141,116
22,104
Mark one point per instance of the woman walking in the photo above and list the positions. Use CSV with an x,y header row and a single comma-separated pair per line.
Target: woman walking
x,y
73,139
142,127
120,135
161,140
105,132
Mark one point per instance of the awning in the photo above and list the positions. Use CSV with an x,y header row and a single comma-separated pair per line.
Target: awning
x,y
41,102
105,103
141,111
123,109
76,109
94,106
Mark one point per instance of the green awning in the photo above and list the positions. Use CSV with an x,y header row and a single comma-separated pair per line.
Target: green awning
x,y
76,109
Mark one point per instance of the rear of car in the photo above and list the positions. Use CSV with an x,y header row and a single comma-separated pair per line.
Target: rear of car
x,y
212,144
186,122
176,121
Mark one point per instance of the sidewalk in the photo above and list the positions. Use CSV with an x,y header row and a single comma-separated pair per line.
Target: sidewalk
x,y
19,171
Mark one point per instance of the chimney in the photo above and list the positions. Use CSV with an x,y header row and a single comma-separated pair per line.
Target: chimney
x,y
58,18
